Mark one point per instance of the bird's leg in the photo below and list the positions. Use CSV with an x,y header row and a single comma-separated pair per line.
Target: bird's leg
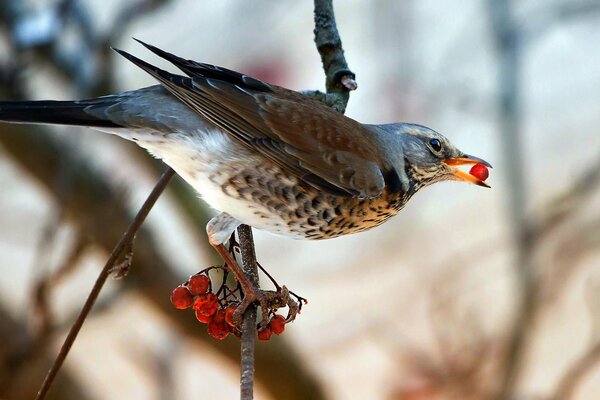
x,y
219,229
283,296
251,292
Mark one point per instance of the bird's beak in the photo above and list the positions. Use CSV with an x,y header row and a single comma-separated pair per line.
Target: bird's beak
x,y
466,159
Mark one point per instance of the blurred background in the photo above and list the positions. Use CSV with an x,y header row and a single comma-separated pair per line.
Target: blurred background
x,y
468,293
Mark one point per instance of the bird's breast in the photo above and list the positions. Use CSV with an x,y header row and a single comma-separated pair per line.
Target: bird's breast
x,y
266,197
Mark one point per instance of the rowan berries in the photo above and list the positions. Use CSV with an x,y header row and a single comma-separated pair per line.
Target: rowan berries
x,y
181,298
198,284
216,306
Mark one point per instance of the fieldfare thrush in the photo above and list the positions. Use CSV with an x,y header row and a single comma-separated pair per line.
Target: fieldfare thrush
x,y
263,155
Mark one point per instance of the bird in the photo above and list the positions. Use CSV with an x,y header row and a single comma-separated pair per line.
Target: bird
x,y
263,155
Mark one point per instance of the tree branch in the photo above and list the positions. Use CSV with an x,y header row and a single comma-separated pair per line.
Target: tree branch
x,y
249,322
125,243
339,80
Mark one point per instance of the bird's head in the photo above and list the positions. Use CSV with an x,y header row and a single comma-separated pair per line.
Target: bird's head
x,y
430,157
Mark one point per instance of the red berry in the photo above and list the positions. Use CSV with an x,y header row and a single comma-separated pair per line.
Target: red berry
x,y
479,171
265,334
205,319
277,324
229,314
219,316
206,304
198,284
181,297
217,327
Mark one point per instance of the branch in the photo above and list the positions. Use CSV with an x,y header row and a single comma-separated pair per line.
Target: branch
x,y
249,321
123,245
339,80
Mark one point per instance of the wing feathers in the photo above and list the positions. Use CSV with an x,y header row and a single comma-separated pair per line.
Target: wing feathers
x,y
313,142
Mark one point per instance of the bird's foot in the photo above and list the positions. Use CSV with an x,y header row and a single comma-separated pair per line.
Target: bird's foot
x,y
269,300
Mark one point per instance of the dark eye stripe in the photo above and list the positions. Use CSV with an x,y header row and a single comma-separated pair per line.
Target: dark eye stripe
x,y
435,144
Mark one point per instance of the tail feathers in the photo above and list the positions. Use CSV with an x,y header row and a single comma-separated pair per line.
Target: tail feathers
x,y
52,112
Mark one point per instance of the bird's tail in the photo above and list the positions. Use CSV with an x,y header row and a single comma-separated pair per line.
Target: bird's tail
x,y
52,112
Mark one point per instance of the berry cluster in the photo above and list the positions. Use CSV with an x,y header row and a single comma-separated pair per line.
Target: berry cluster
x,y
216,308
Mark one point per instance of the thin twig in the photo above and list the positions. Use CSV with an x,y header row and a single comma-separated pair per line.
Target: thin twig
x,y
123,244
249,266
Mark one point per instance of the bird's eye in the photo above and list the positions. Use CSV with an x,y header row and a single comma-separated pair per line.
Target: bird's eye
x,y
436,145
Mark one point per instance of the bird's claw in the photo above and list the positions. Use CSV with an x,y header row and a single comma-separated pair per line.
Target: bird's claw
x,y
269,301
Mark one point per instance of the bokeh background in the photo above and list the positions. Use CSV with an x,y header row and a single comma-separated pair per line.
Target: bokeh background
x,y
467,294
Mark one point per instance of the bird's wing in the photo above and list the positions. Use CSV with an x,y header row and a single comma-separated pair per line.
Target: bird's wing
x,y
319,145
